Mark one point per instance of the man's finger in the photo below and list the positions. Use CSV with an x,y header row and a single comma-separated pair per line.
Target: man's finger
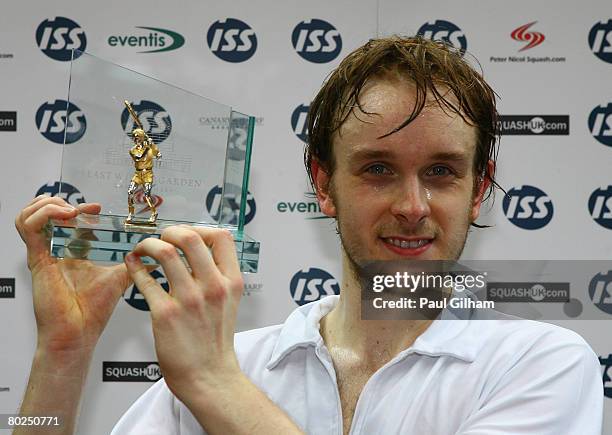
x,y
196,252
35,222
31,230
90,207
221,243
153,293
37,204
166,254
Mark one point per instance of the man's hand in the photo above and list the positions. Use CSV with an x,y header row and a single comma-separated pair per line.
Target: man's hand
x,y
193,326
194,323
73,299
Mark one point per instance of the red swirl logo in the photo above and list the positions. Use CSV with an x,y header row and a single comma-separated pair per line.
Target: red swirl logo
x,y
522,34
140,199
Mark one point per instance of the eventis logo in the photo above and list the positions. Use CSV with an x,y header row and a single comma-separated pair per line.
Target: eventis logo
x,y
64,190
600,291
600,206
229,212
316,41
151,39
600,40
523,34
153,117
311,284
58,37
232,40
53,117
441,30
299,122
310,208
600,124
528,207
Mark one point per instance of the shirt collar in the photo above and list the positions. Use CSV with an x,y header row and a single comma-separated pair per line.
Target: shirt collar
x,y
454,333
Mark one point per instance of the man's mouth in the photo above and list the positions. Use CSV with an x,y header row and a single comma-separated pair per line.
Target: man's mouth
x,y
405,246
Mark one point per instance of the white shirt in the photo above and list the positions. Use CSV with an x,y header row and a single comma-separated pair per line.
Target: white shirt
x,y
469,376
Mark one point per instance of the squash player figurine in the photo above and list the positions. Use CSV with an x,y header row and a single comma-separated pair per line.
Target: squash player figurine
x,y
142,153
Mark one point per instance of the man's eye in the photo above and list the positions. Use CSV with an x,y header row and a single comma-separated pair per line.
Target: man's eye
x,y
439,171
378,169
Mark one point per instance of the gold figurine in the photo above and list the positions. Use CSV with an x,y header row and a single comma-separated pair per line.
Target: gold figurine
x,y
142,153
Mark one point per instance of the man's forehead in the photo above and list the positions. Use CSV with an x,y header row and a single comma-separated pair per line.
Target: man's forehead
x,y
385,106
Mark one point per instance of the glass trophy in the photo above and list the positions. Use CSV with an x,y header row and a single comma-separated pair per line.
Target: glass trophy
x,y
152,155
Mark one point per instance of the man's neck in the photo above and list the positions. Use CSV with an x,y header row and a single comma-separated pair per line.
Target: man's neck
x,y
372,342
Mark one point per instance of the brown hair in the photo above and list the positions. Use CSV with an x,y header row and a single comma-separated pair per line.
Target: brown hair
x,y
433,66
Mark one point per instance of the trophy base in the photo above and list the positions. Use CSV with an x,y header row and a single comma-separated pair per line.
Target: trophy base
x,y
107,238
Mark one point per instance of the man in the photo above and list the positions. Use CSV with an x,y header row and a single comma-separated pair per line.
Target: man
x,y
401,153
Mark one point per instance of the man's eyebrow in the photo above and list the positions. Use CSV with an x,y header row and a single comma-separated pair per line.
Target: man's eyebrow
x,y
370,154
450,156
373,154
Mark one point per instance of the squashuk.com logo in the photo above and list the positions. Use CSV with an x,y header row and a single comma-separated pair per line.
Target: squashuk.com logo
x,y
130,371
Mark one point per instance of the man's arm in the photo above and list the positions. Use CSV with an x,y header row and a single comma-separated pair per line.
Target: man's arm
x,y
73,300
193,327
154,148
54,389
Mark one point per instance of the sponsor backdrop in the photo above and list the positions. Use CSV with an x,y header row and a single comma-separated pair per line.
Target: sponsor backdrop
x,y
550,62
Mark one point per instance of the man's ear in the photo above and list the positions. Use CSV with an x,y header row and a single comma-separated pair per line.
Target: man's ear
x,y
482,185
322,188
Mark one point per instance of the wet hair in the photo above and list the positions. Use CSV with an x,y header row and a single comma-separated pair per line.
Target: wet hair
x,y
435,68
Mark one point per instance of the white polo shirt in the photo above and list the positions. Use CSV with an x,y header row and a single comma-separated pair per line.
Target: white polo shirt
x,y
471,376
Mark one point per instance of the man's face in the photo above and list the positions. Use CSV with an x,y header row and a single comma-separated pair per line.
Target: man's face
x,y
409,195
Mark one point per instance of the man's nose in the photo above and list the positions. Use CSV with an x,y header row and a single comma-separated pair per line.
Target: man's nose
x,y
411,203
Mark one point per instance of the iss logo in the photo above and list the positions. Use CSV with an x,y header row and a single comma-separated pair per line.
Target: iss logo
x,y
312,284
58,37
446,31
229,212
64,190
600,40
154,118
53,117
600,291
232,40
133,296
600,124
316,41
299,122
600,207
522,34
130,371
606,363
528,207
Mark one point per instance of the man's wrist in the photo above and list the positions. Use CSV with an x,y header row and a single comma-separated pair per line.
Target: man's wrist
x,y
65,363
207,393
